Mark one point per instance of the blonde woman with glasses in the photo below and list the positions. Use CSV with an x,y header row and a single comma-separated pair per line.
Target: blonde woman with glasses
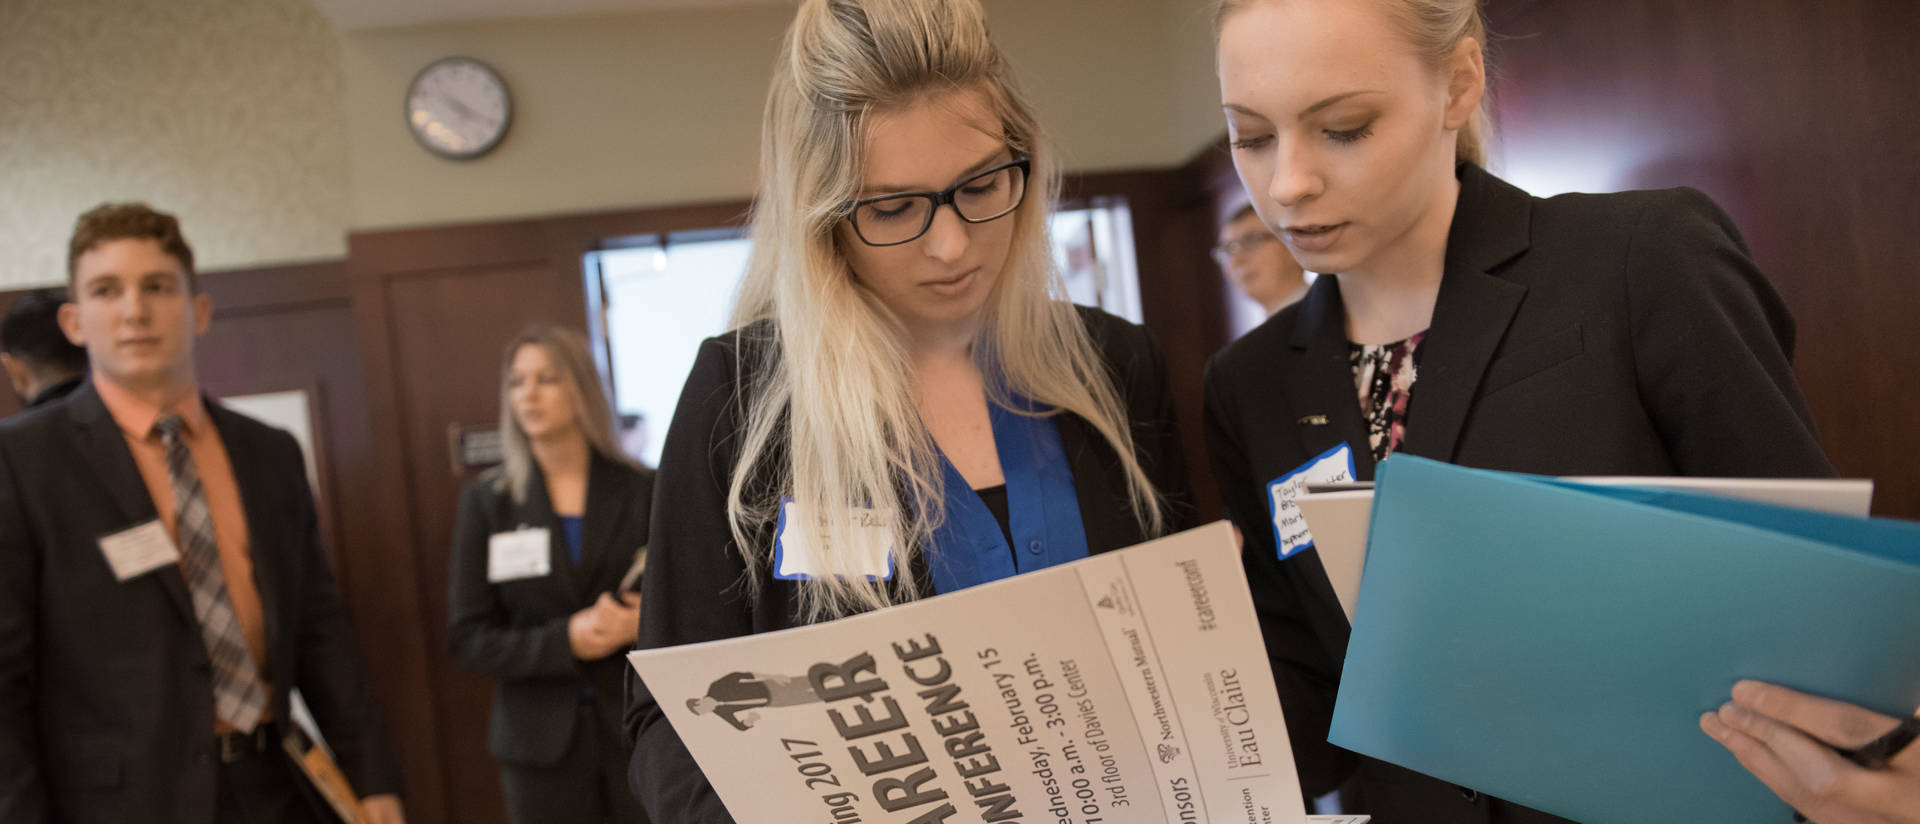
x,y
905,391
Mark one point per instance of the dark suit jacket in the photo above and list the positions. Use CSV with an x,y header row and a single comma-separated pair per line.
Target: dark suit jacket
x,y
106,690
56,392
1623,334
516,631
694,589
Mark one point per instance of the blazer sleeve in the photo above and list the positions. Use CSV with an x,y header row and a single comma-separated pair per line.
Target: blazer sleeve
x,y
23,792
1305,674
330,676
481,634
692,590
1713,347
1157,433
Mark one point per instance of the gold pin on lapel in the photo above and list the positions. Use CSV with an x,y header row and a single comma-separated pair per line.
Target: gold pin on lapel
x,y
1313,420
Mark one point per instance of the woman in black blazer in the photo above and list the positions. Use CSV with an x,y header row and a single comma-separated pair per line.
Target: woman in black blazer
x,y
899,353
1462,320
540,550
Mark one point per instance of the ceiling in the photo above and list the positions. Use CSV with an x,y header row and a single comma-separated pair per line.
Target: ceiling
x,y
374,14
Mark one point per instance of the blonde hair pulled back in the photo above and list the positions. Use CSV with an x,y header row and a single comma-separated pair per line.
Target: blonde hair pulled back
x,y
1434,28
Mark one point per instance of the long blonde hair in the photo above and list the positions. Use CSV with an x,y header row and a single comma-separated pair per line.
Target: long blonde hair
x,y
832,420
592,412
1434,28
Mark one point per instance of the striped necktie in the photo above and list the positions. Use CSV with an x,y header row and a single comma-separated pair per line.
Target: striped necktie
x,y
239,698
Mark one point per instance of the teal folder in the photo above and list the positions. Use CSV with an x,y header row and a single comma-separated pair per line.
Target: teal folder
x,y
1555,644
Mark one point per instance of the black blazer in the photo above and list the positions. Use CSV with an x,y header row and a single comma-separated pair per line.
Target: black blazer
x,y
1622,334
106,691
516,631
56,391
695,591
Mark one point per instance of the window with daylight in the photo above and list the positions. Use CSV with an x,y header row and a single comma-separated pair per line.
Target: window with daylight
x,y
659,297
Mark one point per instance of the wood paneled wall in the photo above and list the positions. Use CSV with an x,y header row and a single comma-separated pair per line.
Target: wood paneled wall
x,y
1800,119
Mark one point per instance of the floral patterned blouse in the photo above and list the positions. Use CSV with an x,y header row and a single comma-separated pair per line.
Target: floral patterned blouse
x,y
1384,376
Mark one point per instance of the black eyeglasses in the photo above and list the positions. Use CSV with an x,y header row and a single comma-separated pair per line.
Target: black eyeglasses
x,y
1247,242
890,220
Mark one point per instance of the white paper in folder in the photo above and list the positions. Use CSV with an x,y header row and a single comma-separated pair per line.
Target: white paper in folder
x,y
1338,516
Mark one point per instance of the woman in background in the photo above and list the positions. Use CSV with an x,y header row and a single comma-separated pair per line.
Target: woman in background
x,y
902,350
1460,319
540,549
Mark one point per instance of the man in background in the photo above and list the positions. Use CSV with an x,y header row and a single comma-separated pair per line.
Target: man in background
x,y
162,584
1257,263
42,365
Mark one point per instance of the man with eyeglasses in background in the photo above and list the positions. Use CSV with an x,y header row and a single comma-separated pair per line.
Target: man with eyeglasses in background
x,y
1257,263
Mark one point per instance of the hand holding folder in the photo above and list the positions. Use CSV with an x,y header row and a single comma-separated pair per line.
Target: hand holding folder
x,y
1555,643
1828,759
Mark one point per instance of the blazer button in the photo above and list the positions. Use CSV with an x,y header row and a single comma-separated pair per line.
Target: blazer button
x,y
1034,547
1470,795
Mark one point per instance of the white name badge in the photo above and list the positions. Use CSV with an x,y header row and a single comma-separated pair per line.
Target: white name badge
x,y
140,550
522,553
795,558
1334,466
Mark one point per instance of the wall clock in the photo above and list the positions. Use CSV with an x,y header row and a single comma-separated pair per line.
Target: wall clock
x,y
458,108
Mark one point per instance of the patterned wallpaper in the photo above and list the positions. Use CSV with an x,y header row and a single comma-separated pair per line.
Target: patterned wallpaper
x,y
227,113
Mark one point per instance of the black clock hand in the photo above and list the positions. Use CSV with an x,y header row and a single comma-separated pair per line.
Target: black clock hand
x,y
463,109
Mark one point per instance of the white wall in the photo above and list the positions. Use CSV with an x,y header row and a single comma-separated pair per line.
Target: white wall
x,y
272,135
609,112
225,112
657,108
1195,86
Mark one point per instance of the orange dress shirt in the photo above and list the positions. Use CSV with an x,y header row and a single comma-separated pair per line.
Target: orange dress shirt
x,y
136,417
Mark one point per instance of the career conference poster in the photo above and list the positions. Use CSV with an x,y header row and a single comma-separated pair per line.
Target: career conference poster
x,y
1127,688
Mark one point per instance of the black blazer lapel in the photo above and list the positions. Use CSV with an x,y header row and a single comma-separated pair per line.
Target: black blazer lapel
x,y
1098,486
1322,396
255,476
537,512
609,491
105,448
1491,224
1326,403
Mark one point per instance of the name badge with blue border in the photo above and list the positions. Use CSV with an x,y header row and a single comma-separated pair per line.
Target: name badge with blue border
x,y
795,558
1290,534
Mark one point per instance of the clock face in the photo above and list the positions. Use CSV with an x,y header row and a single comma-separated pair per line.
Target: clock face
x,y
458,108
